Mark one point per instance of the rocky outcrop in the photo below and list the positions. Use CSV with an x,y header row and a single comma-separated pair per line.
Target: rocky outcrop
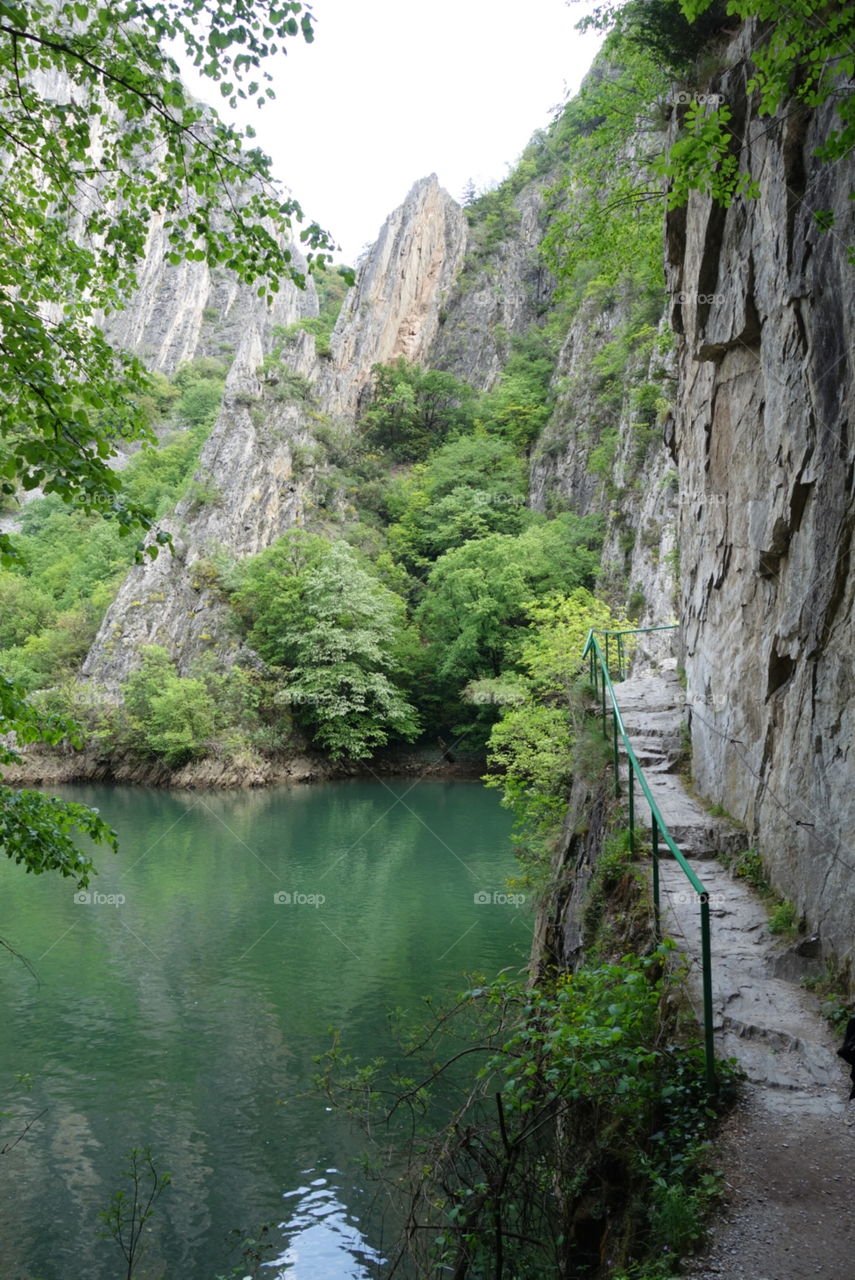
x,y
599,455
180,313
243,496
499,293
396,306
762,300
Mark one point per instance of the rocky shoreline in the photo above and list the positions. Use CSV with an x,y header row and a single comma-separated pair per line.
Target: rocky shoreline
x,y
46,769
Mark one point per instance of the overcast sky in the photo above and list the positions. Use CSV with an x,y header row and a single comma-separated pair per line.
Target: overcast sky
x,y
392,90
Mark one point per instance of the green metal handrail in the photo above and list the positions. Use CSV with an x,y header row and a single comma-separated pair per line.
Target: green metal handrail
x,y
602,683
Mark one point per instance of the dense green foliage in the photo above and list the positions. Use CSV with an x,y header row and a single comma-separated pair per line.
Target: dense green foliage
x,y
414,409
42,832
538,743
578,1130
169,716
474,611
469,488
69,563
332,630
340,650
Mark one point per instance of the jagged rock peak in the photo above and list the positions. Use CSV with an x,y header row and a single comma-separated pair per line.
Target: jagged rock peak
x,y
394,309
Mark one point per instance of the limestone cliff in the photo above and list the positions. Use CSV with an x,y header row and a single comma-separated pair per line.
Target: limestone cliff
x,y
242,497
762,301
499,292
428,291
395,308
180,313
247,490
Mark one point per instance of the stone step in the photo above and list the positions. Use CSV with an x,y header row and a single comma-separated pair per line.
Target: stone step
x,y
695,831
652,724
650,694
648,756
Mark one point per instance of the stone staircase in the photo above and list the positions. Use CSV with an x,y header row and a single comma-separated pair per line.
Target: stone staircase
x,y
652,707
786,1151
763,1017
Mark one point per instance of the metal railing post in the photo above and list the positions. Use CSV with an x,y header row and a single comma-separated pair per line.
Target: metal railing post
x,y
601,660
654,835
706,968
631,785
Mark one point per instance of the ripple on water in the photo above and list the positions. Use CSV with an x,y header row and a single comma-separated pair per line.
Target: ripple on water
x,y
324,1240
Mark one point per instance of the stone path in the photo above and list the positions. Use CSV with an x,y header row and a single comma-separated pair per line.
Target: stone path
x,y
788,1148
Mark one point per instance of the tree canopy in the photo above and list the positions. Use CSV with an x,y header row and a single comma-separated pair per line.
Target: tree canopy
x,y
414,409
99,143
333,630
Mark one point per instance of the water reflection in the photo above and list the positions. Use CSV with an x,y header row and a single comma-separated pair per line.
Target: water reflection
x,y
190,1018
324,1239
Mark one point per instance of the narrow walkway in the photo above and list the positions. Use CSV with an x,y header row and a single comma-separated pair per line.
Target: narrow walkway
x,y
788,1149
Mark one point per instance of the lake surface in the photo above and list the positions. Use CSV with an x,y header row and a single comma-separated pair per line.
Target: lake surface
x,y
182,1006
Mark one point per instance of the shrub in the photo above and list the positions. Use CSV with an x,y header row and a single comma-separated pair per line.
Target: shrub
x,y
170,717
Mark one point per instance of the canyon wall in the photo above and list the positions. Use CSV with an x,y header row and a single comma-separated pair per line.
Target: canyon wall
x,y
749,497
762,304
248,489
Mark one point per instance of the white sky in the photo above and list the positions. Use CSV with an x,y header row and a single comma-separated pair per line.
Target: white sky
x,y
392,90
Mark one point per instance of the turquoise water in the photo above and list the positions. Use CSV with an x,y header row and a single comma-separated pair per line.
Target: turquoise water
x,y
183,1004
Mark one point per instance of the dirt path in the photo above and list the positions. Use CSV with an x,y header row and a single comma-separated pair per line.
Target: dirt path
x,y
788,1150
788,1213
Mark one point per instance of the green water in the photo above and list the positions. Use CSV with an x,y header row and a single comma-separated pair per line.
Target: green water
x,y
186,1017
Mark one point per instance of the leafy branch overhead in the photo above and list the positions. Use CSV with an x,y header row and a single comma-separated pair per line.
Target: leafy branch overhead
x,y
37,830
102,149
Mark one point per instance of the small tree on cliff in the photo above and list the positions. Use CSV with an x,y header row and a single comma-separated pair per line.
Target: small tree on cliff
x,y
341,651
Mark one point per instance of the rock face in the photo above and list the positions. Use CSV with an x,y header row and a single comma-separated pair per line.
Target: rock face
x,y
497,295
248,490
762,301
243,496
599,458
394,309
180,313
